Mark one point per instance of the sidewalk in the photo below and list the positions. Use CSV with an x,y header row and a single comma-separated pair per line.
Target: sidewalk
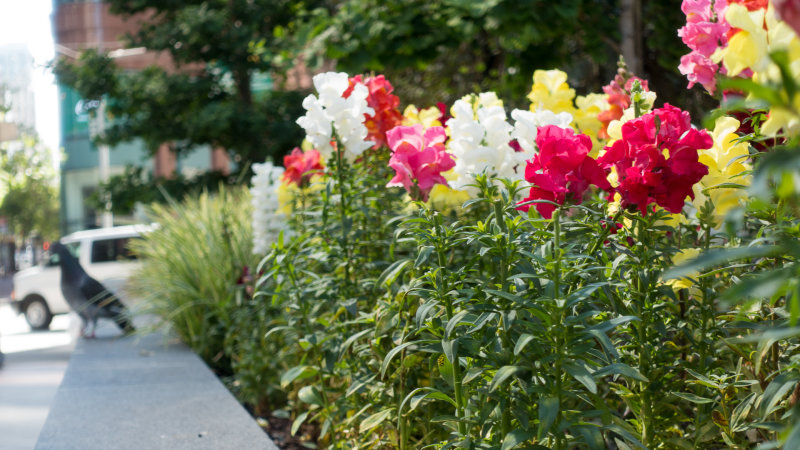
x,y
142,392
28,383
34,367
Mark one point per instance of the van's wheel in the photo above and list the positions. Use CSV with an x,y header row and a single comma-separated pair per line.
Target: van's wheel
x,y
37,314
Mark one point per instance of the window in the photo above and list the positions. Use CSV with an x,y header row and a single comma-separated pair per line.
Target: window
x,y
73,247
108,250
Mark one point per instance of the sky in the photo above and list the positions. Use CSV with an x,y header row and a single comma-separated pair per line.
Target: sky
x,y
28,22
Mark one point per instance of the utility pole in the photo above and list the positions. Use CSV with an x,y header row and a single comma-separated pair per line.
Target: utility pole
x,y
103,160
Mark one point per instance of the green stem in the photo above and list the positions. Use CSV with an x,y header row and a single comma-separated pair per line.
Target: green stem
x,y
560,338
644,356
402,421
708,306
343,212
442,289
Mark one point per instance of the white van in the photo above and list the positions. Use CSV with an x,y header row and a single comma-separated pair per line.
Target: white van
x,y
104,255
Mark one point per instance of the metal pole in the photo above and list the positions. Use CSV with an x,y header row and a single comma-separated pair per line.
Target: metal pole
x,y
107,219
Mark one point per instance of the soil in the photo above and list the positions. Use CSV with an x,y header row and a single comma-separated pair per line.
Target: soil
x,y
280,431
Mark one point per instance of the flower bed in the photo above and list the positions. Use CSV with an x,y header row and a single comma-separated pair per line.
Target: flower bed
x,y
595,272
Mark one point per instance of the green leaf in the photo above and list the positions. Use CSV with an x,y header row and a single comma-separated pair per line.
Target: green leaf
x,y
548,410
310,395
346,344
446,370
689,397
621,369
605,342
761,285
775,392
424,254
391,273
702,379
613,323
299,421
718,256
522,342
740,413
297,373
457,320
583,376
502,375
516,437
793,440
374,420
434,394
392,353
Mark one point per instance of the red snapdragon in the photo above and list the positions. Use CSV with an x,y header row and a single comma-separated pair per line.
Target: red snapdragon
x,y
383,102
656,160
562,170
789,12
419,158
301,166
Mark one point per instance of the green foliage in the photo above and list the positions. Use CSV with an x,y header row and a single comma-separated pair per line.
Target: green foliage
x,y
134,186
29,189
190,267
455,47
218,48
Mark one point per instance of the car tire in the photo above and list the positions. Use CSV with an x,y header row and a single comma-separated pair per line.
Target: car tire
x,y
38,314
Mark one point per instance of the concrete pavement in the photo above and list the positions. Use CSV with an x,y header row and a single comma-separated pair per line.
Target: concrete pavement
x,y
34,367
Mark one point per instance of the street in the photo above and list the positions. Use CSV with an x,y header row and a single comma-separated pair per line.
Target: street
x,y
34,366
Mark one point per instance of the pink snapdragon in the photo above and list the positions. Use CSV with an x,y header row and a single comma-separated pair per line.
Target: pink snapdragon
x,y
419,158
705,31
696,10
699,69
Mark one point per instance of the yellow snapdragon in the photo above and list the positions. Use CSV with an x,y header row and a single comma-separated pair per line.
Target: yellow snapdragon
x,y
686,282
759,34
551,92
427,117
726,161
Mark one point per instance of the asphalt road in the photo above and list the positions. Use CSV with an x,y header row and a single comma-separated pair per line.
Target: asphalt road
x,y
34,366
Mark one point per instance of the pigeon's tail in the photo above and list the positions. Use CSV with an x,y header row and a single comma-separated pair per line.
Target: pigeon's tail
x,y
124,324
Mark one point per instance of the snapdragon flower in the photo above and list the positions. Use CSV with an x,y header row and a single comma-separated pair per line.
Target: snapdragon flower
x,y
527,123
267,221
480,143
331,111
727,162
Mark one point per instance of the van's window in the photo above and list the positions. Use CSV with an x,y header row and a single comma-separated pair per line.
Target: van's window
x,y
73,247
53,260
108,250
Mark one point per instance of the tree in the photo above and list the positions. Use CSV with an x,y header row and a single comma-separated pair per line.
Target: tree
x,y
448,48
30,185
218,47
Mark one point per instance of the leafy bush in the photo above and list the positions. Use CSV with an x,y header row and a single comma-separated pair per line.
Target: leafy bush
x,y
562,292
190,265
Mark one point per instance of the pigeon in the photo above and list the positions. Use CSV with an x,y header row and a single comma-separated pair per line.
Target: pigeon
x,y
87,296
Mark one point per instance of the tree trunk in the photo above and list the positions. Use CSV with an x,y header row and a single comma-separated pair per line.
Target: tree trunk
x,y
630,24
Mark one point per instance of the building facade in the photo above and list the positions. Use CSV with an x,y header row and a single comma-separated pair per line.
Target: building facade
x,y
16,87
80,25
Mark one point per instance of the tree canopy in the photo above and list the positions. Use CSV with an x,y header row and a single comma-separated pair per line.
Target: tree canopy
x,y
29,188
447,47
218,47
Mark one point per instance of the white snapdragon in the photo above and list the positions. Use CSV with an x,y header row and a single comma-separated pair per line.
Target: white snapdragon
x,y
480,144
330,111
527,123
267,221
